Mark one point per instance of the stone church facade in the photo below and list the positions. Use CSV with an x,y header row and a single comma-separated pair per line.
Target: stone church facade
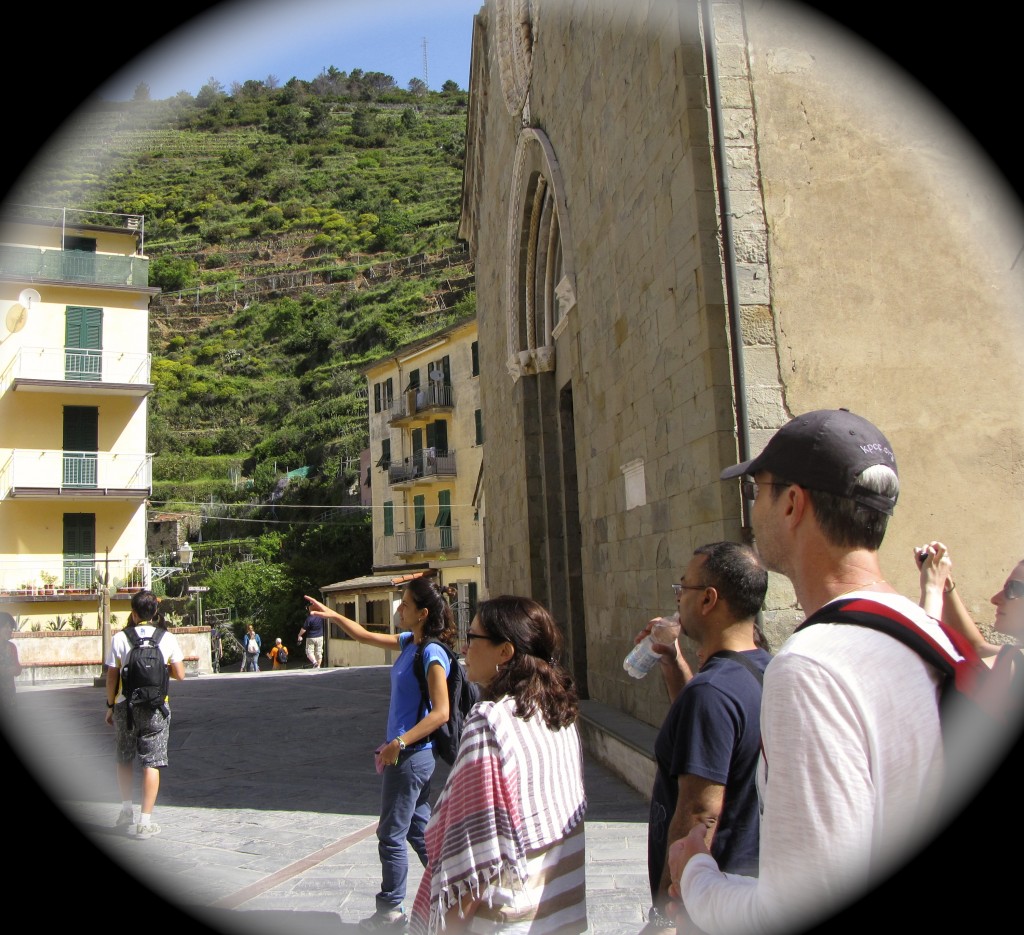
x,y
691,222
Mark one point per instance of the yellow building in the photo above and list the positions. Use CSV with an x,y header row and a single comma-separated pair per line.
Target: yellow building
x,y
426,454
74,380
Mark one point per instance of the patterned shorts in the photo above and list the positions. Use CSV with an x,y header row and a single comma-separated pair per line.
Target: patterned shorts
x,y
147,741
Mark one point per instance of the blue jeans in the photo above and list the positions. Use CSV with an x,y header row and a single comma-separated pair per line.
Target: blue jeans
x,y
404,812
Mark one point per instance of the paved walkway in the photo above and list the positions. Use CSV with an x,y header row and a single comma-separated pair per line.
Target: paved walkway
x,y
268,808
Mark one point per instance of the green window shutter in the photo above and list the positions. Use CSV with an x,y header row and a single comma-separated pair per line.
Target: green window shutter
x,y
389,518
376,397
444,518
83,343
440,435
444,508
81,428
389,393
446,369
417,441
475,351
79,549
478,416
419,513
81,441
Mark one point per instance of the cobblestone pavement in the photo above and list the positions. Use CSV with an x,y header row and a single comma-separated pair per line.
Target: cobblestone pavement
x,y
268,814
268,808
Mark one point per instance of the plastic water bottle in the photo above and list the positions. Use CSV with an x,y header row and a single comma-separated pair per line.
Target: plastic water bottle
x,y
642,658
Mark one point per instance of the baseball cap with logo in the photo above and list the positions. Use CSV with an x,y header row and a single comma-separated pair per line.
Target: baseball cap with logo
x,y
825,450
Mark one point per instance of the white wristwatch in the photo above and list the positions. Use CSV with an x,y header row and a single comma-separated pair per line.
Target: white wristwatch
x,y
401,743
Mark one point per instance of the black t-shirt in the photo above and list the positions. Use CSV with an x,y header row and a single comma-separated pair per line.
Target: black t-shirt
x,y
713,731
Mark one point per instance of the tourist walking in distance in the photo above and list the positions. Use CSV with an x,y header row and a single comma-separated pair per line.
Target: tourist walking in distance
x,y
141,734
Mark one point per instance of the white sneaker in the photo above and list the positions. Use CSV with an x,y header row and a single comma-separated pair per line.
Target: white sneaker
x,y
147,831
125,818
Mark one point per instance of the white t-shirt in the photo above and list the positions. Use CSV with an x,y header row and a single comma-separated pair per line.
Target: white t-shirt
x,y
849,777
170,649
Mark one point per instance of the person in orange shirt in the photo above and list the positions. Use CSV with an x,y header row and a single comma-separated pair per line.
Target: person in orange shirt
x,y
279,655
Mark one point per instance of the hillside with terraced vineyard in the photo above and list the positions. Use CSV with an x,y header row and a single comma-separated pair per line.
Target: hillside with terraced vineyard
x,y
296,233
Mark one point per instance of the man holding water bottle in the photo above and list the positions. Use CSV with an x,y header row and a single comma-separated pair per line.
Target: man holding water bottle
x,y
706,751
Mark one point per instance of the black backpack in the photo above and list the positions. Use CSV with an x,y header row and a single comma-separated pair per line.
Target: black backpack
x,y
282,655
145,679
462,695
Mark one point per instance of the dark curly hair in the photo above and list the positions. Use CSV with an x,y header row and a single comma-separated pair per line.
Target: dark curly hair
x,y
440,624
534,676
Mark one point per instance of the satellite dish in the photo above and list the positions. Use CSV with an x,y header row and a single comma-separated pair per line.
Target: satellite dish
x,y
16,317
28,297
437,375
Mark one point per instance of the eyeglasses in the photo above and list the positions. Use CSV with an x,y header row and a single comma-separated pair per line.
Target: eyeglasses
x,y
1013,589
483,636
678,589
749,488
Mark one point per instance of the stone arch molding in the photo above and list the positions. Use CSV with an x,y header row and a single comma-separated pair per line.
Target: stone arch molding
x,y
516,33
541,272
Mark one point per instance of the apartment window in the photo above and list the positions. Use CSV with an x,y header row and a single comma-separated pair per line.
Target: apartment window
x,y
475,353
444,518
437,435
385,454
79,550
389,518
419,519
83,343
389,393
478,418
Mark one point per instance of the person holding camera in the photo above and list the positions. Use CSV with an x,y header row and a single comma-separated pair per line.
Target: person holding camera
x,y
941,600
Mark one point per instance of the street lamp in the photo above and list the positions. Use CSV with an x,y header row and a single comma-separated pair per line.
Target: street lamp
x,y
185,555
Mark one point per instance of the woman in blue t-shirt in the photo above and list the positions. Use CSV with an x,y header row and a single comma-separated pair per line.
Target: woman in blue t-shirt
x,y
406,758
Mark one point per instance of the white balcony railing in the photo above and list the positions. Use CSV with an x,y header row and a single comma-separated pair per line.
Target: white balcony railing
x,y
75,364
55,574
48,469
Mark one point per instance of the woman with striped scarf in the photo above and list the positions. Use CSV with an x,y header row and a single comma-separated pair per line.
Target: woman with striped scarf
x,y
505,843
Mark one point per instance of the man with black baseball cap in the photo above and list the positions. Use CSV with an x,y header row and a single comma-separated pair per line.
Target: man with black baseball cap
x,y
851,761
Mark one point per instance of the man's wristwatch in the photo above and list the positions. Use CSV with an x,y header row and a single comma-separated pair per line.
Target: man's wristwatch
x,y
401,743
111,704
658,920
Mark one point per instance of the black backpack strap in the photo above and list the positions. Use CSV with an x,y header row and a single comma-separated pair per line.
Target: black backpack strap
x,y
744,661
877,616
420,672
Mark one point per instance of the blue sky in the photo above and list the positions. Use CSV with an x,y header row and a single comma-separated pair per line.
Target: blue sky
x,y
251,39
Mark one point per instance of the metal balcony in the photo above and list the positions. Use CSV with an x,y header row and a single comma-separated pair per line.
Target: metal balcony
x,y
35,264
426,465
429,539
45,575
48,474
420,402
48,369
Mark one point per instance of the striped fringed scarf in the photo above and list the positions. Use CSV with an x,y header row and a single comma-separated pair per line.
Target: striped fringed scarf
x,y
515,787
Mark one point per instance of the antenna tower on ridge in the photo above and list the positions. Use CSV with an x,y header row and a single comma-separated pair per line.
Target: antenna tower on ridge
x,y
426,78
